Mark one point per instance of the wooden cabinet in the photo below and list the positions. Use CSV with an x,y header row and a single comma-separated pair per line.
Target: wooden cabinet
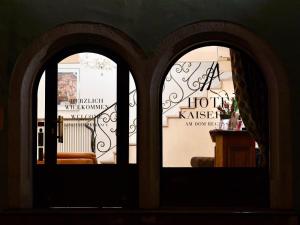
x,y
233,148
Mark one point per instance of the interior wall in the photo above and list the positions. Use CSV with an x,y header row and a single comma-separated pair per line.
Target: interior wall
x,y
147,23
192,136
190,129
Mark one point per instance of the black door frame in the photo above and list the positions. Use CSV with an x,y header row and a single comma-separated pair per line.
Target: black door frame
x,y
223,187
125,172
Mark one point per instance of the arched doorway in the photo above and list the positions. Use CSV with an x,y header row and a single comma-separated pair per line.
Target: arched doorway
x,y
58,42
88,95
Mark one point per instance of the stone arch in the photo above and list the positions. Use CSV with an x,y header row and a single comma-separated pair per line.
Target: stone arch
x,y
26,71
233,35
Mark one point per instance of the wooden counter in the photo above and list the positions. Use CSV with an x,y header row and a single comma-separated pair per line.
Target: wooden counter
x,y
233,148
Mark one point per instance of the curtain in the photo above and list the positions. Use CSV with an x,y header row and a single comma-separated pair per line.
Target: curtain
x,y
252,97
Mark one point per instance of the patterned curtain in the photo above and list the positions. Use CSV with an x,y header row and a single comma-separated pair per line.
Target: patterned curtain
x,y
251,94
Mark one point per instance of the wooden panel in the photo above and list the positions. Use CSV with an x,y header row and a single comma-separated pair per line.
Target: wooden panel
x,y
86,186
240,156
214,187
1,117
233,148
219,153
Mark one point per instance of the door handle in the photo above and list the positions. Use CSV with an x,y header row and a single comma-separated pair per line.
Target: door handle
x,y
60,121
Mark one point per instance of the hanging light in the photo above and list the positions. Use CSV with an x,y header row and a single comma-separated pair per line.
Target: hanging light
x,y
95,61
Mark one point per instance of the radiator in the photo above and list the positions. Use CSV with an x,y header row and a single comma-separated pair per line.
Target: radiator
x,y
76,138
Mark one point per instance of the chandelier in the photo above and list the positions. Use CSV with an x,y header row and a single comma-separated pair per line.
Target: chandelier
x,y
98,62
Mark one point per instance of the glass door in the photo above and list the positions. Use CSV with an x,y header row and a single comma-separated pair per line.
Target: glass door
x,y
86,133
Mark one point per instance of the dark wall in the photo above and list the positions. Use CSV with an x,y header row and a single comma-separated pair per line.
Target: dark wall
x,y
147,22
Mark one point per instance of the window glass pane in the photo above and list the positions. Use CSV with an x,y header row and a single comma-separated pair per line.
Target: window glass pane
x,y
41,120
196,91
87,111
86,98
132,120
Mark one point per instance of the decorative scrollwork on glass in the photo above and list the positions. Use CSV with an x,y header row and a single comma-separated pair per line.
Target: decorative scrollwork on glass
x,y
132,128
186,78
132,116
103,138
132,99
193,81
171,83
183,80
105,130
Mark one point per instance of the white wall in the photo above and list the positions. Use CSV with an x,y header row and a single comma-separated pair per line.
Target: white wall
x,y
96,91
184,138
93,83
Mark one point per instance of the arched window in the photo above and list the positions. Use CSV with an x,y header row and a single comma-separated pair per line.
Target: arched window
x,y
161,181
205,143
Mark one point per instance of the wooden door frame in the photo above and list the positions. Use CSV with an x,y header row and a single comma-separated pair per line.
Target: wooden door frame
x,y
122,136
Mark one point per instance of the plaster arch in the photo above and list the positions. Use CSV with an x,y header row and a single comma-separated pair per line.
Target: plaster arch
x,y
228,34
26,71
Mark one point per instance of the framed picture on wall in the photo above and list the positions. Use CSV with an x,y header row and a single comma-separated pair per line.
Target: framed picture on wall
x,y
67,88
